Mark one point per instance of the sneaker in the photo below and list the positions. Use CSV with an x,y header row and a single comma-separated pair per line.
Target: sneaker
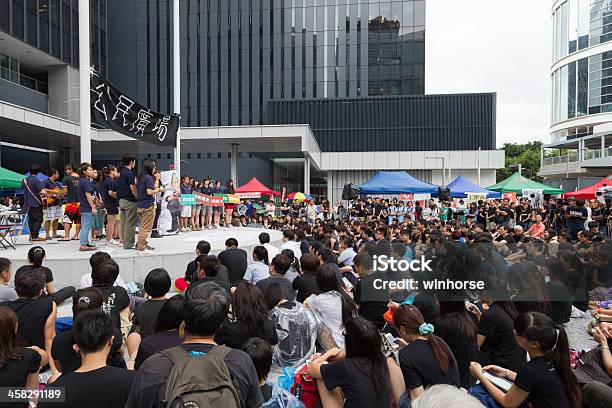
x,y
146,252
87,248
150,248
128,248
183,230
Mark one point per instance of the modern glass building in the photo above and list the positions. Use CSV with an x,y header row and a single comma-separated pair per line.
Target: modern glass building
x,y
236,55
581,92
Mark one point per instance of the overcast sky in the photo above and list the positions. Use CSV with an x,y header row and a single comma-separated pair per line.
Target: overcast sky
x,y
494,46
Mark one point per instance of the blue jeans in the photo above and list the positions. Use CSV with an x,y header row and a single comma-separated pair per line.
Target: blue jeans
x,y
86,223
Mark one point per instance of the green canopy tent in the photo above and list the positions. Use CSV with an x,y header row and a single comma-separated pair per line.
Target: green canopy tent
x,y
517,183
10,179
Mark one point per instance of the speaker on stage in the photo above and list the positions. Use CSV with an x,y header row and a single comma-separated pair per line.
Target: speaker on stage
x,y
349,193
444,194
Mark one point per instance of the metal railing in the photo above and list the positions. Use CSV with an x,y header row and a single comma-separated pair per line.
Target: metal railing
x,y
589,154
23,80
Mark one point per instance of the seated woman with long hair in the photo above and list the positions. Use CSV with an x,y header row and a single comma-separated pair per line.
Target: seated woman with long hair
x,y
19,365
547,379
332,308
248,319
425,360
360,372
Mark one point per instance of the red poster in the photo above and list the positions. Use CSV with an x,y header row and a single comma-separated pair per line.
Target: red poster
x,y
406,197
510,196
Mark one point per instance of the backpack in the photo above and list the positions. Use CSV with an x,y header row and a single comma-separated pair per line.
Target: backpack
x,y
199,381
304,388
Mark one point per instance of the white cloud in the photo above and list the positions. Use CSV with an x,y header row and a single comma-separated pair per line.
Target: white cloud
x,y
494,46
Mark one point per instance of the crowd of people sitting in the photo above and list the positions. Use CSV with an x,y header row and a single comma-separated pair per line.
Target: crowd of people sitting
x,y
309,320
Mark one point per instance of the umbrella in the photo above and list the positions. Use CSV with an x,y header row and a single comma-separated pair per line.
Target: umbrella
x,y
298,197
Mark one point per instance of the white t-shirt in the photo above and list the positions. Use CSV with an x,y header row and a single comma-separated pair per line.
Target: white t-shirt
x,y
294,246
347,257
272,251
86,281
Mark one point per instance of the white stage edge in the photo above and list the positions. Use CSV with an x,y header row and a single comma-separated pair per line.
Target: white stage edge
x,y
171,252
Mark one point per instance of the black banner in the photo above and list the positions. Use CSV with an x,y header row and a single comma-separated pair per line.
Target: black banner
x,y
116,111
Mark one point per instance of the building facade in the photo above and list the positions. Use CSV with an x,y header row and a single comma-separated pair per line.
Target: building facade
x,y
236,55
581,94
307,94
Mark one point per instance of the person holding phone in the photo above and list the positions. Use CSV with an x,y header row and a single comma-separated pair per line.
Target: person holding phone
x,y
547,379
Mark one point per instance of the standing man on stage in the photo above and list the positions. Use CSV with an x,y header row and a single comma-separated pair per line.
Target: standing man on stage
x,y
72,214
33,191
53,210
126,192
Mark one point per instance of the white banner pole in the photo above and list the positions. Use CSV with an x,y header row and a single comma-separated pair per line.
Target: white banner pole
x,y
84,73
176,99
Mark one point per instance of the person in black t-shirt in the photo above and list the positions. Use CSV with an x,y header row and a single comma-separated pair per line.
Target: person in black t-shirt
x,y
546,380
72,214
575,216
305,284
204,313
248,319
156,285
261,355
94,384
36,313
64,356
36,255
19,365
279,265
166,331
116,298
234,259
457,328
361,371
426,359
208,268
371,299
495,336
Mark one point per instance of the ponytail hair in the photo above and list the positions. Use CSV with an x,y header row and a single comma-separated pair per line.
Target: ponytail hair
x,y
36,255
554,344
411,319
86,299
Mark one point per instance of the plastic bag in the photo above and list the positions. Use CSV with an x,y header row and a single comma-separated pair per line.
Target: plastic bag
x,y
296,329
281,396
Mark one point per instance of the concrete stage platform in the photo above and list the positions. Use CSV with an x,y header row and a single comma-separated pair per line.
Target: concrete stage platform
x,y
171,252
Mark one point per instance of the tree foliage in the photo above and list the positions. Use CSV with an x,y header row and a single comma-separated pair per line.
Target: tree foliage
x,y
527,154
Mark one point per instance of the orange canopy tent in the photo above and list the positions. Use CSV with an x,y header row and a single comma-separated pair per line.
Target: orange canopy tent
x,y
255,186
589,192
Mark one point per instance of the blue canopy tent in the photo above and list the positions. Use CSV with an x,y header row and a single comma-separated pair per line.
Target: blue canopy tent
x,y
396,182
460,186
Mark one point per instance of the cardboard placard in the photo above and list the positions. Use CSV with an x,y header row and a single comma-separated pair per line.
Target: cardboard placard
x,y
188,199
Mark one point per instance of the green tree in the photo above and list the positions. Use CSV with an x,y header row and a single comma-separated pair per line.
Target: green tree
x,y
526,154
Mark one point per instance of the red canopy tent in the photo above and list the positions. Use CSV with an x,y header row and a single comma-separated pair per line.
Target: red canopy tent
x,y
589,192
255,186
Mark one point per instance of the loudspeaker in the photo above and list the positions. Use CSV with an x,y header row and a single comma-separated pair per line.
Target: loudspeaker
x,y
444,194
349,193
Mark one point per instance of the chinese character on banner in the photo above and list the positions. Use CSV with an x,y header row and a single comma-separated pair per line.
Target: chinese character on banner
x,y
406,197
142,121
161,127
99,104
123,105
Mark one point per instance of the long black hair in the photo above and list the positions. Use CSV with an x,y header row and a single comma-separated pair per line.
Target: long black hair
x,y
363,340
554,344
249,307
328,279
148,166
455,310
170,315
